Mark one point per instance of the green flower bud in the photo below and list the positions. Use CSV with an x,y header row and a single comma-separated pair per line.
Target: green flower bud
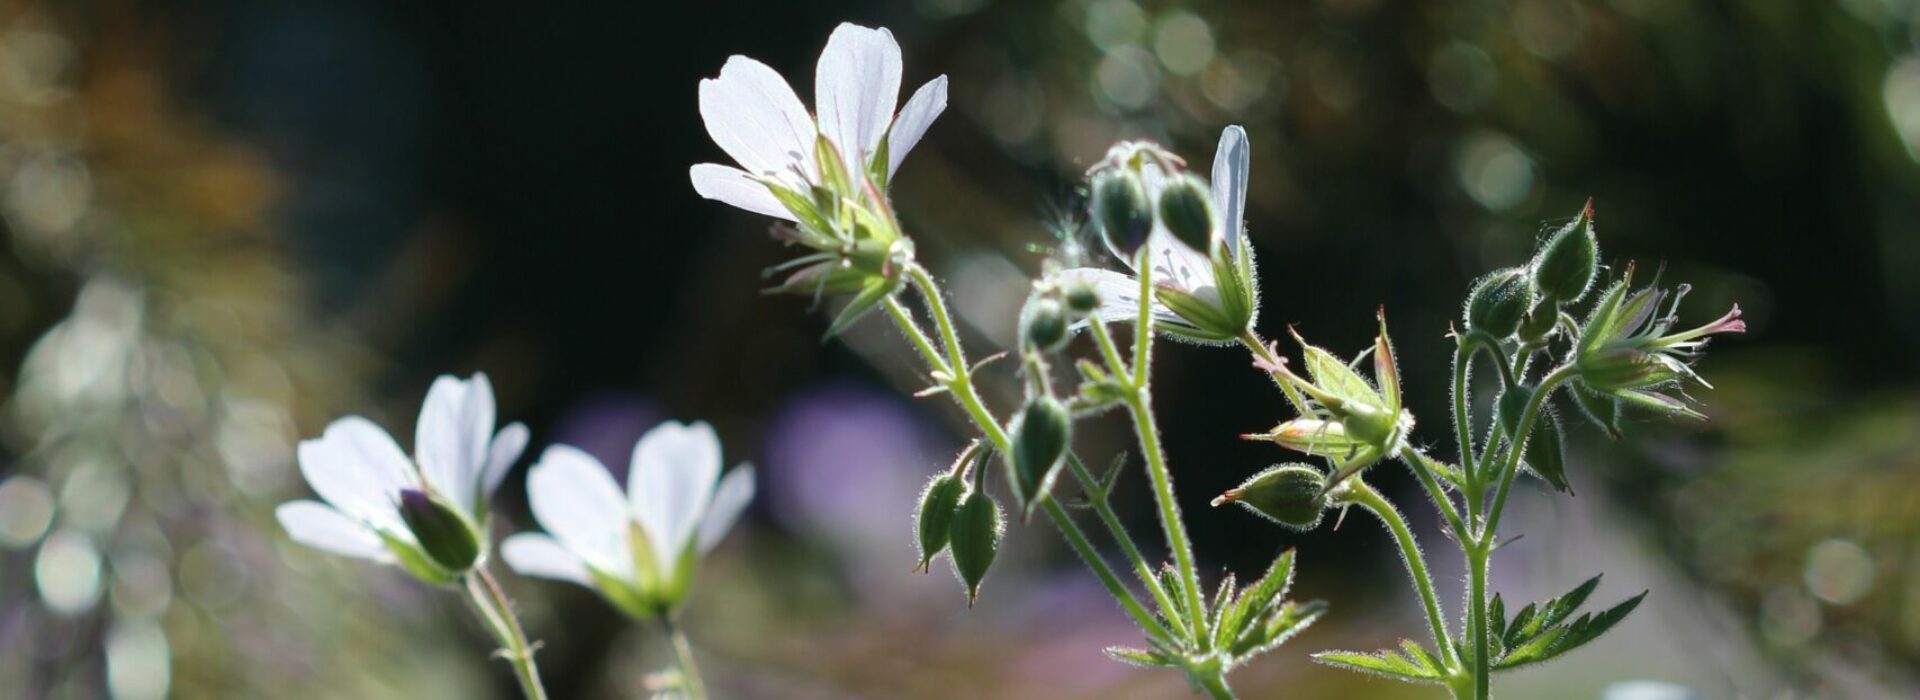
x,y
1040,436
1293,495
1043,326
1121,208
1540,321
1498,302
443,534
975,539
1513,402
1081,298
1569,260
1186,207
938,504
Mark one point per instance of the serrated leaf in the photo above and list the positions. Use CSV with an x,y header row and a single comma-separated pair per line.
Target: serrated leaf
x,y
1584,630
1222,601
1419,654
1497,624
1386,664
1256,599
1521,619
1175,611
1278,627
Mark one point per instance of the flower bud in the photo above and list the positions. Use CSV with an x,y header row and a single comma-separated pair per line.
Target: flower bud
x,y
938,504
1498,302
1040,436
1186,207
1545,455
1121,208
1293,495
1043,326
443,534
1081,298
1513,403
1569,260
975,539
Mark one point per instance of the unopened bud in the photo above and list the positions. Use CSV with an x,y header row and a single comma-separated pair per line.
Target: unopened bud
x,y
1569,260
1121,208
1293,495
1186,208
1040,436
938,504
1044,324
975,539
1081,298
443,534
1513,403
1498,302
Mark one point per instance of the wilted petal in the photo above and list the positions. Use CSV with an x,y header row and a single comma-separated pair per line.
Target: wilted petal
x,y
507,447
320,527
356,467
734,186
1231,163
753,115
542,556
926,105
735,490
855,88
670,484
577,502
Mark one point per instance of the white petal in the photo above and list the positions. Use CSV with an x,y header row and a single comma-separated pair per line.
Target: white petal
x,y
1230,167
320,527
542,556
734,186
753,115
926,105
729,499
670,484
450,439
356,467
1176,264
506,449
576,500
855,88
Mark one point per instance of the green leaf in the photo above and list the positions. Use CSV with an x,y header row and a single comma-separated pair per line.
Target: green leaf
x,y
1278,627
1541,632
1140,657
1222,601
1386,663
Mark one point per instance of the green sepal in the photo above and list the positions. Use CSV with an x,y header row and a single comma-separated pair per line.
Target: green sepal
x,y
1205,321
414,560
876,290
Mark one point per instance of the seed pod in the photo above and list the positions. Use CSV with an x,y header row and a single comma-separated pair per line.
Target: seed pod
x,y
1569,260
1121,208
1513,402
938,503
1044,324
1293,495
1544,453
442,533
1186,208
1040,436
1081,298
1498,302
975,539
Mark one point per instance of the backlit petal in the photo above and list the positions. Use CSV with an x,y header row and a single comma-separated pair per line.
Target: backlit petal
x,y
315,525
734,186
541,556
578,503
926,105
732,496
752,114
855,88
670,484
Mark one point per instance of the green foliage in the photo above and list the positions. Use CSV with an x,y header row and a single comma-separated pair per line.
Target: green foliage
x,y
1545,630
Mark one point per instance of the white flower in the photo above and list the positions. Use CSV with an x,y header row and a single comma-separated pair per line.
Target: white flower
x,y
363,476
1176,266
755,117
638,549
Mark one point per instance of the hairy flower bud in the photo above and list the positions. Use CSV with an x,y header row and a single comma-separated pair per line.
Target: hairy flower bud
x,y
1040,436
1569,260
1043,325
938,504
1498,302
1293,495
975,539
1081,298
1186,207
1121,208
443,534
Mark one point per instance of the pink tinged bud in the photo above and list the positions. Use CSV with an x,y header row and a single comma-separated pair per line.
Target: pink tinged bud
x,y
443,534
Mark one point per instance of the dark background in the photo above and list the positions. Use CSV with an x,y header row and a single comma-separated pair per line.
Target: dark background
x,y
349,198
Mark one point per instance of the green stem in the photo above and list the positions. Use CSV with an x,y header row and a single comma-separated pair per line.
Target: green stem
x,y
1517,443
1477,558
1175,529
497,611
1424,467
690,680
959,383
1370,499
1098,496
1215,685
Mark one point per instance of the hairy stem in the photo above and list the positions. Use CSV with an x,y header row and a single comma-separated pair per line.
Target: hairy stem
x,y
1215,685
1140,405
1477,557
497,611
1370,499
690,680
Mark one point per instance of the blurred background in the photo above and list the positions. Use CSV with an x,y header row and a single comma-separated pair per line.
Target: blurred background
x,y
227,222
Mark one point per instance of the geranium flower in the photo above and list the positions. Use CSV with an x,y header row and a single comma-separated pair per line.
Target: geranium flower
x,y
426,514
639,549
754,115
1203,295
